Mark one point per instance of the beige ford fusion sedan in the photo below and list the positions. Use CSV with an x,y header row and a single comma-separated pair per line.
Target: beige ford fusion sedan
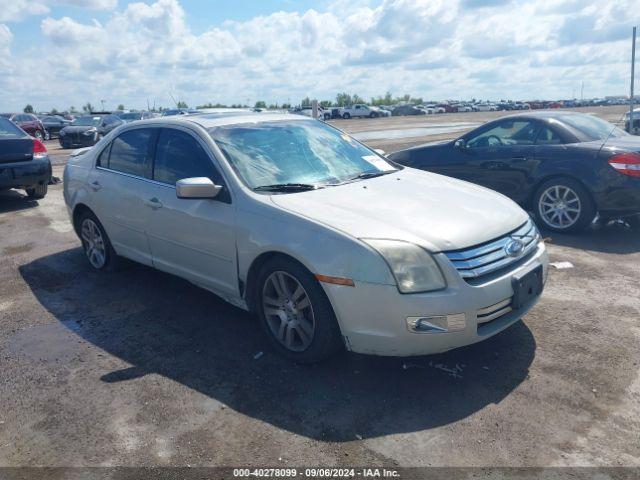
x,y
330,244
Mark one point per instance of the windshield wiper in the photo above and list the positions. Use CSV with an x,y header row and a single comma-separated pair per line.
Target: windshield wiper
x,y
365,175
286,187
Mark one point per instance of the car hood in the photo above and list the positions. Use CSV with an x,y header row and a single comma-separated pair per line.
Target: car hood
x,y
437,212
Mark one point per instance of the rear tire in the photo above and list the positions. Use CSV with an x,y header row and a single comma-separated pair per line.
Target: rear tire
x,y
38,192
563,205
95,243
295,313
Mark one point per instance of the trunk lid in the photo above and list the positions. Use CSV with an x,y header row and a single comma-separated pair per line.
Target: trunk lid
x,y
16,150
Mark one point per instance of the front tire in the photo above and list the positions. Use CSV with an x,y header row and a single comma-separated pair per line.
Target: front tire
x,y
563,205
38,192
346,116
295,313
95,242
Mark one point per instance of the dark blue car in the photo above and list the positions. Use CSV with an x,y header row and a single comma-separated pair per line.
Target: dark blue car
x,y
565,167
24,162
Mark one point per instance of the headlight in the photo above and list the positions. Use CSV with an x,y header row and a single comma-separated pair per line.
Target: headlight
x,y
62,133
414,268
91,131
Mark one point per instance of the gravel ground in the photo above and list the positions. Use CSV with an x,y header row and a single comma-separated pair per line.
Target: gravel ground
x,y
139,368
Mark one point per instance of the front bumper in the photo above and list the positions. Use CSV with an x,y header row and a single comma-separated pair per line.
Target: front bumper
x,y
373,317
25,174
77,140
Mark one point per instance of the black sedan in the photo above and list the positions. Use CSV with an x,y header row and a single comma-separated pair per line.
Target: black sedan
x,y
24,162
53,124
407,110
565,167
85,131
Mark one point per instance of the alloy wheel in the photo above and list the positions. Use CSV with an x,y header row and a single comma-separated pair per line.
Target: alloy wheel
x,y
94,246
559,206
288,311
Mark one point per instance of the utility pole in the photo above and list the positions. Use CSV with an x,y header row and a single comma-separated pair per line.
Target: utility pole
x,y
633,64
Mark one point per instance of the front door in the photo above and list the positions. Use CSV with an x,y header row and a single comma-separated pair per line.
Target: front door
x,y
192,238
502,157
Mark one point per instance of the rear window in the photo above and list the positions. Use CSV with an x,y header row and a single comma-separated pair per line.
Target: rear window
x,y
9,130
592,128
130,153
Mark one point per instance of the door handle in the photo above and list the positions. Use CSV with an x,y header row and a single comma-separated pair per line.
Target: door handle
x,y
95,185
519,159
153,203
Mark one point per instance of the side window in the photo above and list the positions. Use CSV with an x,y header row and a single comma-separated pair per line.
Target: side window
x,y
103,158
178,156
548,136
506,133
130,152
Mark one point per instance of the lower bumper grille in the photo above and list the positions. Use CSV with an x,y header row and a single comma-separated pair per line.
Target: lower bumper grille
x,y
495,311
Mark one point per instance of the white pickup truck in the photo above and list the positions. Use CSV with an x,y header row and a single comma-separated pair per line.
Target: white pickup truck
x,y
358,110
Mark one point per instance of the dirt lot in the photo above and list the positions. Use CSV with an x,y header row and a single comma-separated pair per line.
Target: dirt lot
x,y
141,368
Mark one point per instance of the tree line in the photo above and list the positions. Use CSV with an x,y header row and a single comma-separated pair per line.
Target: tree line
x,y
341,100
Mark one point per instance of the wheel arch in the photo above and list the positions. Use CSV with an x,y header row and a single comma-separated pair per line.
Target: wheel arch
x,y
251,289
78,210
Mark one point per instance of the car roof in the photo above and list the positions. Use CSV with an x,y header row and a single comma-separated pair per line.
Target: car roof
x,y
211,120
542,115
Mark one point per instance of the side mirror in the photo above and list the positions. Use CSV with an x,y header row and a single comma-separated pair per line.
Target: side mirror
x,y
197,187
460,143
379,151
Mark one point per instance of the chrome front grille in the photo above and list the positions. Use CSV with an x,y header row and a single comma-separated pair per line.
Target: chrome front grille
x,y
481,260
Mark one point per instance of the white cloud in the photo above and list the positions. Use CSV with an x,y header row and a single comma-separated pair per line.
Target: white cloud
x,y
14,10
431,48
17,10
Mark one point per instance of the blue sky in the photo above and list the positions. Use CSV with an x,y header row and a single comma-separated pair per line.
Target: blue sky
x,y
202,51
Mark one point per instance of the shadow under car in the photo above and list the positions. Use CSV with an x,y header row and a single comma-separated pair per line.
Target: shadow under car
x,y
161,324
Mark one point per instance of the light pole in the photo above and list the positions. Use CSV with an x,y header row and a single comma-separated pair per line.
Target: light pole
x,y
633,64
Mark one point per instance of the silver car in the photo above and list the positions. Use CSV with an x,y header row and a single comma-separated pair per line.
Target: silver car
x,y
329,243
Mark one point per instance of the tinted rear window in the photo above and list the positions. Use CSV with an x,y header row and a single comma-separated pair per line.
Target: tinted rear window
x,y
130,153
592,128
9,130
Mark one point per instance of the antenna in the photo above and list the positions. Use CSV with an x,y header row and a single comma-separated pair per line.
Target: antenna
x,y
173,98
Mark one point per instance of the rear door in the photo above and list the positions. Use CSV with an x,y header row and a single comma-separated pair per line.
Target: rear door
x,y
120,186
192,238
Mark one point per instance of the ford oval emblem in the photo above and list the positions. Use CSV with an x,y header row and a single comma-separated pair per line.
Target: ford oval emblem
x,y
514,247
